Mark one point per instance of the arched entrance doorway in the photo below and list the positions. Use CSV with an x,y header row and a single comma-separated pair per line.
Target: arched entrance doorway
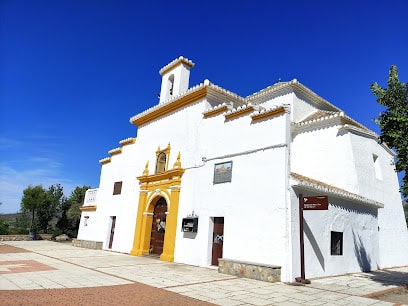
x,y
164,185
158,227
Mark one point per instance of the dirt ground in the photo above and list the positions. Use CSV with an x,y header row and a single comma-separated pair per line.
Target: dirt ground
x,y
399,295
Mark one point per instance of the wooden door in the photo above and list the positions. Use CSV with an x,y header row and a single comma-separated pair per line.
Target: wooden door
x,y
112,232
158,227
218,240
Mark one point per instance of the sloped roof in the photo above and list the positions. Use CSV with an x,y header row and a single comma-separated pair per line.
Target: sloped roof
x,y
304,182
320,116
348,124
294,85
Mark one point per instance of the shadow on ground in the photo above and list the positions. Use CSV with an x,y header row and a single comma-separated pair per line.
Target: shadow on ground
x,y
388,277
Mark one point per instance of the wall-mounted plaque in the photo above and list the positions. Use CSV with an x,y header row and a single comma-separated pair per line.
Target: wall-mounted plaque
x,y
222,172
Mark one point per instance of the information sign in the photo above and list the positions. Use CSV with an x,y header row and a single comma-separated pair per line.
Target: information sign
x,y
316,203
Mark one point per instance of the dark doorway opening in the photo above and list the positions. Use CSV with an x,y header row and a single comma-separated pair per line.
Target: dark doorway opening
x,y
112,231
158,227
218,240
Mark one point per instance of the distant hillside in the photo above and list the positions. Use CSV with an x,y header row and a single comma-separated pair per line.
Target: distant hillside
x,y
10,218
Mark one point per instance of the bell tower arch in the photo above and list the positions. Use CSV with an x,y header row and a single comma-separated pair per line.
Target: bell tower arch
x,y
175,78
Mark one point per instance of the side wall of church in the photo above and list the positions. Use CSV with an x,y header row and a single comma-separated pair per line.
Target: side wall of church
x,y
377,180
358,164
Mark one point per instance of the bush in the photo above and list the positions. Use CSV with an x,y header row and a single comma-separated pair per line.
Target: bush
x,y
18,231
4,227
56,233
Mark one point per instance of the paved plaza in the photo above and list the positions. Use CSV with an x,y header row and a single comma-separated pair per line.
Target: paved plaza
x,y
46,272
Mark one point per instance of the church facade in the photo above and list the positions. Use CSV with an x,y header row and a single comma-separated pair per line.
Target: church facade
x,y
215,175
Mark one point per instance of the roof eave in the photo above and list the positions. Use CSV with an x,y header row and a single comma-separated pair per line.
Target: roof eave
x,y
190,96
316,186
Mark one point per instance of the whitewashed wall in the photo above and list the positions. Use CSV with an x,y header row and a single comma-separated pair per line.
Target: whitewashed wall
x,y
381,184
180,129
345,160
325,155
123,206
254,218
359,225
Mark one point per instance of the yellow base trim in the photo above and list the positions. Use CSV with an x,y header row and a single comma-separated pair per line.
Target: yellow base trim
x,y
135,253
166,257
88,208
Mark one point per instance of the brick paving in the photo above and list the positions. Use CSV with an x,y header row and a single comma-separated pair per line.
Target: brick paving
x,y
50,273
22,266
133,294
4,249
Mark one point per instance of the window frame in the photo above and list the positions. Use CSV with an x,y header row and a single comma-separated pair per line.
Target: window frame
x,y
336,243
117,187
162,152
161,165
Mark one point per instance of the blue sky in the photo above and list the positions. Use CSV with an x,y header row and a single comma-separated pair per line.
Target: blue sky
x,y
72,73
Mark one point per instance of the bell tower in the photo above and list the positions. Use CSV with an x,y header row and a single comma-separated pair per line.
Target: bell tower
x,y
175,78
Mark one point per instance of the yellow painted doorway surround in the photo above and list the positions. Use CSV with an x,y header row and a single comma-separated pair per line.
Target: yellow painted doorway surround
x,y
153,187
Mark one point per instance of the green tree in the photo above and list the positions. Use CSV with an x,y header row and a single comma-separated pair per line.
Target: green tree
x,y
33,198
4,226
393,121
71,215
22,223
47,212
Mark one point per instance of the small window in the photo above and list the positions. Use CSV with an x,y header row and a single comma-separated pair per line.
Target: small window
x,y
336,243
377,167
117,188
161,162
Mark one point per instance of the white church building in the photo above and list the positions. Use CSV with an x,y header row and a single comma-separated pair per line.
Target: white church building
x,y
213,178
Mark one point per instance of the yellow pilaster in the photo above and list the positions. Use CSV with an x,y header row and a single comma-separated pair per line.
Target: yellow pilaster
x,y
146,232
137,247
171,226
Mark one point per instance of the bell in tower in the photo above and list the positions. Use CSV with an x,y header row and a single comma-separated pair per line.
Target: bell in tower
x,y
175,78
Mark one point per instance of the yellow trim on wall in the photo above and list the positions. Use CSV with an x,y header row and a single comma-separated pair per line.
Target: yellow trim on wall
x,y
215,112
152,188
238,113
170,107
268,114
115,151
105,161
127,141
88,208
